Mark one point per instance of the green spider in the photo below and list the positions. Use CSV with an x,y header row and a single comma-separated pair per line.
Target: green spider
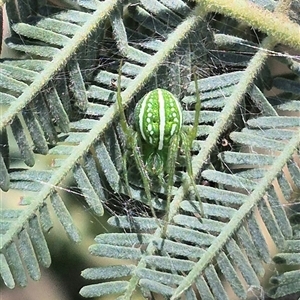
x,y
159,134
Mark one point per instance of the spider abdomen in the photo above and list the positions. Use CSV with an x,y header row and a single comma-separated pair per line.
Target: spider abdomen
x,y
158,117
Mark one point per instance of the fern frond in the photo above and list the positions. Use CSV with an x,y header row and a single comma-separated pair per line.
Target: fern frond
x,y
62,103
229,239
45,103
288,282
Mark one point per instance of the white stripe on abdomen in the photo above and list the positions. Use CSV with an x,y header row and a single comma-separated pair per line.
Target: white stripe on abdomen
x,y
162,119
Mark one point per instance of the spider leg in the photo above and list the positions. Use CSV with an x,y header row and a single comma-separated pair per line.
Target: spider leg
x,y
193,132
132,144
187,140
170,170
128,132
144,174
125,127
125,173
186,144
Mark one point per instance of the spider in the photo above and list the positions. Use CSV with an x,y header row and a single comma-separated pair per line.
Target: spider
x,y
156,137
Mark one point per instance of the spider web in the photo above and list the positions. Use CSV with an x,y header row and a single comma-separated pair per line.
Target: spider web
x,y
120,202
212,66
